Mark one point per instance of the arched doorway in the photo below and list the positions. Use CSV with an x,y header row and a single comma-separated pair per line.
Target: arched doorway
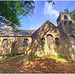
x,y
49,40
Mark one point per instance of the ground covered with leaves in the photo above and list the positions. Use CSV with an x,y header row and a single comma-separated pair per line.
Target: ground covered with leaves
x,y
46,64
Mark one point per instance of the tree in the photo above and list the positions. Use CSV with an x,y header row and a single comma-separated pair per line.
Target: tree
x,y
11,10
51,1
72,13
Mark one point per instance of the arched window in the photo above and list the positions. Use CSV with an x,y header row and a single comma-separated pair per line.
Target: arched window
x,y
65,17
72,39
56,41
49,39
42,41
70,22
25,42
65,23
4,43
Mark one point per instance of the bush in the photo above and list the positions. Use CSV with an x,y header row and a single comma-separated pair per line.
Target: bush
x,y
32,57
60,56
1,62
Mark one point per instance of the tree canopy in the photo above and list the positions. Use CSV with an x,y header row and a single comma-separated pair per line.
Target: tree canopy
x,y
72,13
10,10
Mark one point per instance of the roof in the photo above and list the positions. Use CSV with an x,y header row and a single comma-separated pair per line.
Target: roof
x,y
17,33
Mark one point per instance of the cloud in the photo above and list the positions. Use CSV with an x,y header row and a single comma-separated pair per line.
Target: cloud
x,y
48,10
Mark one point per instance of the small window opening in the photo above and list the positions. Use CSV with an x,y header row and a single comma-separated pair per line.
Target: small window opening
x,y
56,41
42,41
65,23
25,42
5,43
70,22
65,17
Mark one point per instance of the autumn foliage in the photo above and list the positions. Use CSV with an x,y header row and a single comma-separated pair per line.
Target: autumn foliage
x,y
47,65
38,65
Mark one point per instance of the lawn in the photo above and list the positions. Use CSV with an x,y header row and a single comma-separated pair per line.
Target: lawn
x,y
46,64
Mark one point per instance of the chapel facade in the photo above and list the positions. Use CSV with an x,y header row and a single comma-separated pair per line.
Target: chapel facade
x,y
47,40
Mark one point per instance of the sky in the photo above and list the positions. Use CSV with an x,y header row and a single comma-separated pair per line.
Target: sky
x,y
44,11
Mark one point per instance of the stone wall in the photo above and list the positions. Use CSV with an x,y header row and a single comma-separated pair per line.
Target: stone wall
x,y
15,45
59,48
72,47
67,26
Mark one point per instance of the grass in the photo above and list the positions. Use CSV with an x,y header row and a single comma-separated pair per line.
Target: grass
x,y
8,70
1,62
14,58
17,58
7,58
60,56
73,64
48,64
3,68
32,57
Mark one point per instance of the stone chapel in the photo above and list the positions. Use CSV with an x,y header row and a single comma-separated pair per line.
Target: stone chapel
x,y
47,40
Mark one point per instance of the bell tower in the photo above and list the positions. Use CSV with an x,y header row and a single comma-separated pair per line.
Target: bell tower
x,y
65,23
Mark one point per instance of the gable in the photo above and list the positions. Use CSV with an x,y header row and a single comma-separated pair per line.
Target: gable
x,y
44,29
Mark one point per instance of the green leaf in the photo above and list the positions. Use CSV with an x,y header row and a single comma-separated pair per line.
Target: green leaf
x,y
10,10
